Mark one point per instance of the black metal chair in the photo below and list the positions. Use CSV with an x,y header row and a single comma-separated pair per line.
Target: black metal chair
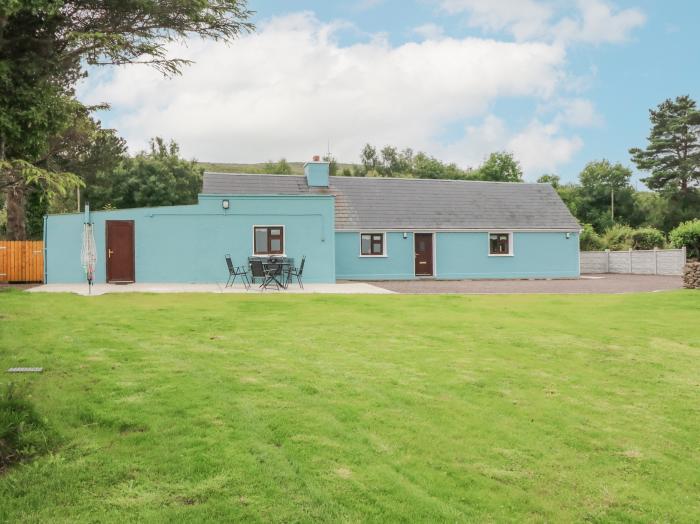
x,y
257,270
297,272
236,271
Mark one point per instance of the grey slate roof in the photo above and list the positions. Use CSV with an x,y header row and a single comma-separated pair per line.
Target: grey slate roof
x,y
407,203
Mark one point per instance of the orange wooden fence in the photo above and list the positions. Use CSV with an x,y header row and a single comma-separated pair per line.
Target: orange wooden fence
x,y
21,261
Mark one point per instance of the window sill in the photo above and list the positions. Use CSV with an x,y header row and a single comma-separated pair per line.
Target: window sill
x,y
503,255
276,255
372,256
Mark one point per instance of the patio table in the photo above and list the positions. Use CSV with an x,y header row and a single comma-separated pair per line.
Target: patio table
x,y
276,268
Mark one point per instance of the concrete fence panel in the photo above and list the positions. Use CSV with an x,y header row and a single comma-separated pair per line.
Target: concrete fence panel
x,y
648,262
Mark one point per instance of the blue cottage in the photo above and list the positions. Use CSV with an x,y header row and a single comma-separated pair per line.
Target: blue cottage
x,y
349,228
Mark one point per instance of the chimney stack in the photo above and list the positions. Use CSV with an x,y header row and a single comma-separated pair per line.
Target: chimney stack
x,y
317,172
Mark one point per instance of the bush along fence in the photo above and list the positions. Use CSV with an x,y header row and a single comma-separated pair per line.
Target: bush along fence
x,y
691,275
634,262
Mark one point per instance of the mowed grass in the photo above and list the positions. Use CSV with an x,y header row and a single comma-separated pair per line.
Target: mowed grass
x,y
279,408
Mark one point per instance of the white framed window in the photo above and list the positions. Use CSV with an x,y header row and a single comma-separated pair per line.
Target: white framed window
x,y
373,244
500,244
268,240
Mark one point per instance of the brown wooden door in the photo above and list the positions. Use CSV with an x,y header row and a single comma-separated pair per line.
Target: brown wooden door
x,y
424,254
120,251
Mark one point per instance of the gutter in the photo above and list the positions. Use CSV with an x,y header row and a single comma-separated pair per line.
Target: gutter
x,y
46,250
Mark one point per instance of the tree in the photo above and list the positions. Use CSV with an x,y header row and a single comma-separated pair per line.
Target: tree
x,y
332,164
368,158
500,167
672,155
390,162
157,177
605,193
553,180
43,46
425,166
280,167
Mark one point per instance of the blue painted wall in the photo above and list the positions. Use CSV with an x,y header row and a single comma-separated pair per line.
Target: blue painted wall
x,y
188,243
465,255
397,265
461,255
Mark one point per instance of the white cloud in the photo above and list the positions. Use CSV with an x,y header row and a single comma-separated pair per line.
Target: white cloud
x,y
597,22
429,31
580,112
540,147
290,87
523,18
593,21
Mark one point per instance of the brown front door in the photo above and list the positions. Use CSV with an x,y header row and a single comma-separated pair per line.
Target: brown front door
x,y
120,251
424,254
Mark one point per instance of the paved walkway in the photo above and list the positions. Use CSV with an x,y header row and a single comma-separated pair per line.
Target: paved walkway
x,y
607,283
101,289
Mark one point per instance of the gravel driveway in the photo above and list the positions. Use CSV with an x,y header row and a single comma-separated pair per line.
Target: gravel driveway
x,y
608,283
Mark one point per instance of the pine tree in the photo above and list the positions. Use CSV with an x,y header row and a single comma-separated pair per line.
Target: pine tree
x,y
672,156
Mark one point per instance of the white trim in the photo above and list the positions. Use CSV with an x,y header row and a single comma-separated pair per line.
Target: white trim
x,y
385,249
284,242
434,246
510,244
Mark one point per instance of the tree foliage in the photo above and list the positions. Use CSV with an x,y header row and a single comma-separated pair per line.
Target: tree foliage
x,y
672,155
589,240
44,45
553,180
281,167
604,187
157,177
500,167
687,234
618,237
647,238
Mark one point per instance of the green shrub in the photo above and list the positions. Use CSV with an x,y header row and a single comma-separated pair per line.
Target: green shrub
x,y
590,240
618,237
23,433
647,238
687,234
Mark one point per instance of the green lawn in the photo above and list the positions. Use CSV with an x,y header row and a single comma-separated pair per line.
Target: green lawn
x,y
359,408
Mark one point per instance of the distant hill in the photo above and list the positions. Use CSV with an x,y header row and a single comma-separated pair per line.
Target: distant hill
x,y
260,167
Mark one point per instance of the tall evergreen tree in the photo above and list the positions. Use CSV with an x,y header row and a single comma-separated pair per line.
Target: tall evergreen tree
x,y
672,156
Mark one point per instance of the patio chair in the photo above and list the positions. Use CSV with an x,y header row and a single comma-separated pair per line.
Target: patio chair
x,y
259,271
236,271
297,272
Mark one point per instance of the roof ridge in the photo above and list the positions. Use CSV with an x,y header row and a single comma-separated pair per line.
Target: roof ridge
x,y
387,178
442,180
249,174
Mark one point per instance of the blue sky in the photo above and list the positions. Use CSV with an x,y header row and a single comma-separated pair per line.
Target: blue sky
x,y
558,82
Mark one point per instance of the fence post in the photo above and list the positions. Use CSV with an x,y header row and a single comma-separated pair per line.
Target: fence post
x,y
629,254
607,261
656,260
685,255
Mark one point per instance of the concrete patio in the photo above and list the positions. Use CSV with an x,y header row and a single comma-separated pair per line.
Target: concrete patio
x,y
102,289
603,283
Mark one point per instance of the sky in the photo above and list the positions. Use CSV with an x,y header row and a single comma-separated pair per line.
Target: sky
x,y
558,83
